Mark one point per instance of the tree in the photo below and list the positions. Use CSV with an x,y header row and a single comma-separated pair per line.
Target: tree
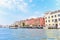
x,y
23,24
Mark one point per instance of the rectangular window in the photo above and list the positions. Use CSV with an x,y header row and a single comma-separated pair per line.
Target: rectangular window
x,y
55,20
52,20
52,16
49,17
53,24
55,15
59,19
48,20
59,15
59,23
45,17
49,24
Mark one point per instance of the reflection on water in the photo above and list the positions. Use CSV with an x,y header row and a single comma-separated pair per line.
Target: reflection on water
x,y
29,34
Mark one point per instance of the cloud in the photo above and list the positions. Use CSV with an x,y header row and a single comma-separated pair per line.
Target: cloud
x,y
32,17
33,5
6,3
11,4
30,0
57,2
45,7
36,12
3,20
42,0
20,0
3,13
7,17
23,6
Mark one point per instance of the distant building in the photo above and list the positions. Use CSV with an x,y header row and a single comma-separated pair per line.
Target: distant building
x,y
30,22
35,22
1,26
21,23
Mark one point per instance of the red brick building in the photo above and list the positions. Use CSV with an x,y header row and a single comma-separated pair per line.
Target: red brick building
x,y
30,22
35,22
42,21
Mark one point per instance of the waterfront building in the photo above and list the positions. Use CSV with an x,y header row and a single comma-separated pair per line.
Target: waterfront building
x,y
15,24
22,23
30,22
35,22
52,19
42,22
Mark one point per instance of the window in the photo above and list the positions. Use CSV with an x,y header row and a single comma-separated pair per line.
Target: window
x,y
52,20
52,16
49,17
48,20
58,14
59,23
49,24
59,19
55,15
53,24
55,20
45,17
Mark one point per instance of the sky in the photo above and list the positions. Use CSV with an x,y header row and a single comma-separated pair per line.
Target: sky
x,y
16,10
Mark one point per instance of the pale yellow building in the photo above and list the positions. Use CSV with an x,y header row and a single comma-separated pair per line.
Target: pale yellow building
x,y
52,19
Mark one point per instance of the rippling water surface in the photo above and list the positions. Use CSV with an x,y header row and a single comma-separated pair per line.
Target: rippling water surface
x,y
29,34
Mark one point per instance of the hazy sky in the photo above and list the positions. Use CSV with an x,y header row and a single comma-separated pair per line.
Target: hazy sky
x,y
14,10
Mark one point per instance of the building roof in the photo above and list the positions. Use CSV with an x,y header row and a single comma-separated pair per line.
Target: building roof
x,y
52,12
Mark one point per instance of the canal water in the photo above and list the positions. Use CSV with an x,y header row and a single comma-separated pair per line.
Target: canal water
x,y
29,34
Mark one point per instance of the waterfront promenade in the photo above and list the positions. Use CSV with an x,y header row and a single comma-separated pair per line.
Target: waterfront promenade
x,y
29,34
